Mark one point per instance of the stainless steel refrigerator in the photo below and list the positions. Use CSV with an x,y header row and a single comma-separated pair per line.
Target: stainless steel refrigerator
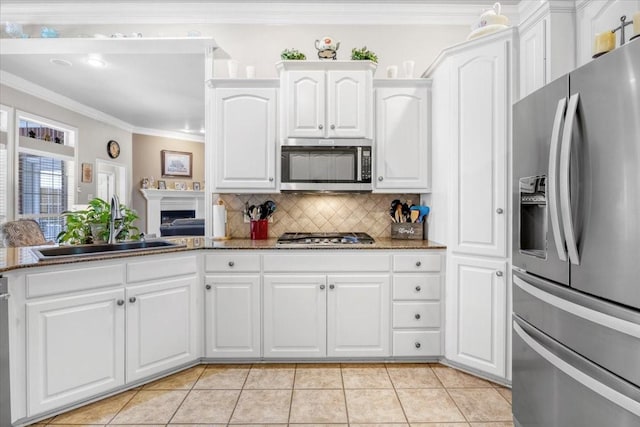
x,y
576,247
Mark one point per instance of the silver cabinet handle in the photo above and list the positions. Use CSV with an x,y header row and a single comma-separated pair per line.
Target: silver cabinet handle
x,y
132,300
322,287
380,178
417,316
320,127
332,286
418,263
231,263
4,297
333,127
120,302
208,287
499,210
270,179
499,273
418,288
418,345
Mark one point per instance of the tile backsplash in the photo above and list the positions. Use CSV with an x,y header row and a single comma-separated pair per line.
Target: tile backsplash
x,y
367,213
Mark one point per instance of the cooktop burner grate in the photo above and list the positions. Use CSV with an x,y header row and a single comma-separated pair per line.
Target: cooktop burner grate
x,y
334,238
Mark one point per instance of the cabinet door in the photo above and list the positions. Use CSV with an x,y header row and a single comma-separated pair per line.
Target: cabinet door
x,y
75,348
295,316
304,106
348,104
232,314
161,326
245,139
358,316
476,311
402,140
482,105
533,58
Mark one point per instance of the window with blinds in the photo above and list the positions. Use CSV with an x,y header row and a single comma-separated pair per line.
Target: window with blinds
x,y
4,164
46,172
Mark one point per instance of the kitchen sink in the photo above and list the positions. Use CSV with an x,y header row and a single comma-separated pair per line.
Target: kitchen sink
x,y
101,249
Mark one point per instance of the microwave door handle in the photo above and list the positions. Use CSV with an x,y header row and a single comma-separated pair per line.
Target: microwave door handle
x,y
565,164
359,165
552,180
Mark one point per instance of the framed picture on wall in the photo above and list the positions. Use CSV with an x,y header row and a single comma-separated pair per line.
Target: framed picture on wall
x,y
176,164
196,186
87,172
162,185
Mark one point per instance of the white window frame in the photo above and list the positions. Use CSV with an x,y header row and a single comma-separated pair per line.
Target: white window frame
x,y
10,195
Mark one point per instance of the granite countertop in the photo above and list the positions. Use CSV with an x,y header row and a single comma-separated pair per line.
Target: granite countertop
x,y
15,258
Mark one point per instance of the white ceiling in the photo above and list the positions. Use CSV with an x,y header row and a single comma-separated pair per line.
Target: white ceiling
x,y
159,84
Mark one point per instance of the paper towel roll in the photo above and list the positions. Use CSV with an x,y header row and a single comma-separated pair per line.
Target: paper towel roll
x,y
219,221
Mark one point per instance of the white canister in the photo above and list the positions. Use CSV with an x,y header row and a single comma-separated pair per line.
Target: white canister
x,y
392,72
233,68
219,221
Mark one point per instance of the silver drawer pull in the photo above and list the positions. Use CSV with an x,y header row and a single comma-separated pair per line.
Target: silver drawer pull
x,y
499,273
320,127
120,302
231,263
418,345
132,300
208,287
499,211
417,316
418,263
332,286
418,288
322,287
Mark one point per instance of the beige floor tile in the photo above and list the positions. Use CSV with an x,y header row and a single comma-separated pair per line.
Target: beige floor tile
x,y
100,412
380,425
139,425
413,376
374,406
365,376
318,406
429,405
506,393
75,425
452,378
193,425
438,425
181,381
318,377
270,377
207,406
320,425
151,407
481,404
230,377
262,407
499,424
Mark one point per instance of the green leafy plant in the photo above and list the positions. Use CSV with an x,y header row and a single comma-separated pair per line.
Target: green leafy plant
x,y
292,54
363,55
91,225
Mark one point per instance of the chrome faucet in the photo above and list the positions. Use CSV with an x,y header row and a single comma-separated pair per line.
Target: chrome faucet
x,y
116,215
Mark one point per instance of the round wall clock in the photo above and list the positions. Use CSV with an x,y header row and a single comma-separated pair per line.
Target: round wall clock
x,y
113,149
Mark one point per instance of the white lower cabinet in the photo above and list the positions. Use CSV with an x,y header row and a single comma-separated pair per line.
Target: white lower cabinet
x,y
326,315
476,306
75,348
232,316
161,326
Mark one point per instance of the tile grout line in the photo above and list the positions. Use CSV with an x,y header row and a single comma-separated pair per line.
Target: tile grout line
x,y
293,384
246,378
344,393
395,391
186,395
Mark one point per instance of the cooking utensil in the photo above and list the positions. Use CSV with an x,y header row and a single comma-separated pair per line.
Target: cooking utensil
x,y
270,207
414,215
406,213
398,215
392,211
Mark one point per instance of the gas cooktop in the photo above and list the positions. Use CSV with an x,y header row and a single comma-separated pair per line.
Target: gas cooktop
x,y
325,239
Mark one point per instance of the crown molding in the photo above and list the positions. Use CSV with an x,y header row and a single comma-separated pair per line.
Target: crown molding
x,y
256,12
169,134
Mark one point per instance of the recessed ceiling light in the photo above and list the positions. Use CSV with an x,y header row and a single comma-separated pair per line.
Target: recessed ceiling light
x,y
61,62
96,62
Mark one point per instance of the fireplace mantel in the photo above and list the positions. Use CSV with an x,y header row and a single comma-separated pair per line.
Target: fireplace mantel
x,y
159,200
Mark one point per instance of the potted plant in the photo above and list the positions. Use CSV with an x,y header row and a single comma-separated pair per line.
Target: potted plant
x,y
91,225
292,54
363,55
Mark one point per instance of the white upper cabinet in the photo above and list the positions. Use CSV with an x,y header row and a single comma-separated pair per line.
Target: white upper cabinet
x,y
330,99
597,16
244,141
402,135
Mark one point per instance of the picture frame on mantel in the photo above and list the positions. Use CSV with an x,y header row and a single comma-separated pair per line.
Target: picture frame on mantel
x,y
162,185
176,164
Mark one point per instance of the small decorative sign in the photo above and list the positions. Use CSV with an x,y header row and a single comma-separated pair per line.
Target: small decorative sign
x,y
87,173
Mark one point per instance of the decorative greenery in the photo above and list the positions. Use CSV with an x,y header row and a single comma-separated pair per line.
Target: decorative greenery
x,y
293,54
363,55
92,224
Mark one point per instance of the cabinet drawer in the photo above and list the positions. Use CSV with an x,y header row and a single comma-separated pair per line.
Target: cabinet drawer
x,y
416,314
322,262
416,287
416,343
416,262
72,280
232,261
161,268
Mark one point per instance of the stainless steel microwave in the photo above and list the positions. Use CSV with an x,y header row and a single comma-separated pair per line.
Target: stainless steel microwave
x,y
326,165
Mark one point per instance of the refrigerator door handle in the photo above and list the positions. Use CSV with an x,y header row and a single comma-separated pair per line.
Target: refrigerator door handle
x,y
552,183
565,196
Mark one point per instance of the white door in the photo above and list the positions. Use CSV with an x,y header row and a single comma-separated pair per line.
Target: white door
x,y
232,316
75,348
295,316
533,58
348,104
402,140
480,88
476,314
161,326
304,106
358,316
245,139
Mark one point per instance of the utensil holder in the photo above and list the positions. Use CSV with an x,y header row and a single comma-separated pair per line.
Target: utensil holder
x,y
259,229
406,230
